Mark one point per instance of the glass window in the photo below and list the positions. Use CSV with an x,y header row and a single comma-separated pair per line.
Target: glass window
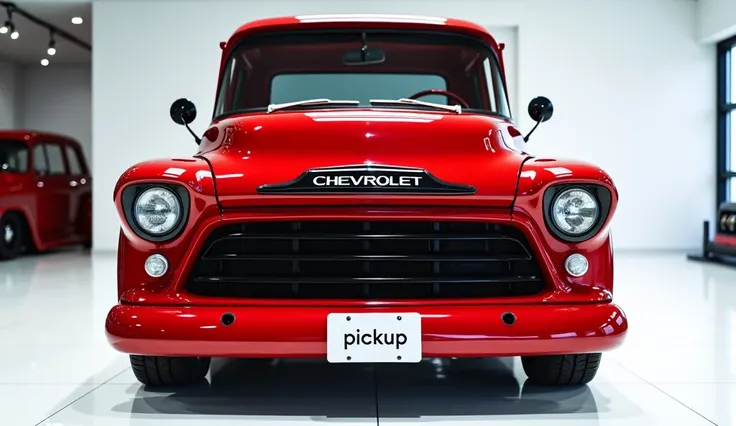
x,y
39,160
13,156
75,166
55,159
725,149
354,86
359,66
731,71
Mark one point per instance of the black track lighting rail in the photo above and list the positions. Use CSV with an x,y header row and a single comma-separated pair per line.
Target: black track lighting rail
x,y
15,10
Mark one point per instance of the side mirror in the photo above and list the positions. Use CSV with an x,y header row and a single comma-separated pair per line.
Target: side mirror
x,y
183,111
541,109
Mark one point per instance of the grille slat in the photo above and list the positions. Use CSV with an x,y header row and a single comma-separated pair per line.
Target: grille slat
x,y
348,280
365,260
365,257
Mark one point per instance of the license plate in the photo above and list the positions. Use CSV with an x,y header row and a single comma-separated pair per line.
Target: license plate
x,y
374,337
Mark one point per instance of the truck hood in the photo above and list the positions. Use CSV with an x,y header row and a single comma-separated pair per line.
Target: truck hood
x,y
274,159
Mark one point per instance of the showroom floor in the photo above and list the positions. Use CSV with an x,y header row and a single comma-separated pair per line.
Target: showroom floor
x,y
678,365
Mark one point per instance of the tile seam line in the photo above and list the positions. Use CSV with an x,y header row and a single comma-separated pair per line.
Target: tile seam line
x,y
662,391
81,396
375,393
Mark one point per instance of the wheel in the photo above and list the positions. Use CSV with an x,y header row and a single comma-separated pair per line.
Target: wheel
x,y
169,371
11,236
561,370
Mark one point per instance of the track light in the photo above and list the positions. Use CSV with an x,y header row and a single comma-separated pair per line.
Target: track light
x,y
44,62
14,34
8,25
52,44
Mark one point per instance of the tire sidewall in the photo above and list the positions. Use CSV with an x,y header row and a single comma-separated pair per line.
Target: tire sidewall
x,y
12,250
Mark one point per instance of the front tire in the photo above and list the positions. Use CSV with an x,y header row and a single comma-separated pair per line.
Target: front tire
x,y
11,236
163,371
561,370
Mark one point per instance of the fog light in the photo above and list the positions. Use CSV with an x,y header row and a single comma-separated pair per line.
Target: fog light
x,y
576,265
156,265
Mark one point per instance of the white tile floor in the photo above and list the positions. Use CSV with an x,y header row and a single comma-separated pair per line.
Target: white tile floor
x,y
678,365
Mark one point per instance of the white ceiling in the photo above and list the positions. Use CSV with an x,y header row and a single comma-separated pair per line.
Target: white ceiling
x,y
31,46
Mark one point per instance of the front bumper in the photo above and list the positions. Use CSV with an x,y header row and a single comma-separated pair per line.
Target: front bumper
x,y
301,332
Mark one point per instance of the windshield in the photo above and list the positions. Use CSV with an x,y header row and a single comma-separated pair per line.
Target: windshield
x,y
361,66
13,156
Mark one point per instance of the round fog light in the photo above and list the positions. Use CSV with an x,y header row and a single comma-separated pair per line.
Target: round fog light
x,y
576,265
156,265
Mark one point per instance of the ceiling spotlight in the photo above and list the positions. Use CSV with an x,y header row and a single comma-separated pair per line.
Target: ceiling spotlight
x,y
52,43
8,25
15,34
44,62
77,20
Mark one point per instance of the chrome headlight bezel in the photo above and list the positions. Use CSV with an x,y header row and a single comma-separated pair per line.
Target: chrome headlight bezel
x,y
130,197
599,193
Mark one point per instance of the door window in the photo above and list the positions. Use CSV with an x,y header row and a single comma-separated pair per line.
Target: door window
x,y
55,159
40,165
75,165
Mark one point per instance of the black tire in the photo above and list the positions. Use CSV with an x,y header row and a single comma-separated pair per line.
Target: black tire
x,y
561,370
163,371
11,225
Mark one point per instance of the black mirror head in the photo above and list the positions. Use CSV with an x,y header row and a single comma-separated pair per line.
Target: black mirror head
x,y
183,111
541,109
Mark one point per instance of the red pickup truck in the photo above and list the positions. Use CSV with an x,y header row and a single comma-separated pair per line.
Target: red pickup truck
x,y
361,196
45,193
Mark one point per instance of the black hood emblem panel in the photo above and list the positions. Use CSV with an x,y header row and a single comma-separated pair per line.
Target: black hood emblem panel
x,y
366,179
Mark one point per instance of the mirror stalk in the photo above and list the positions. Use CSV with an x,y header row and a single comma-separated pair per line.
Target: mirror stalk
x,y
526,138
194,135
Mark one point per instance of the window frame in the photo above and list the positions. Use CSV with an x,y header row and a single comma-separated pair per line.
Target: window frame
x,y
228,61
725,171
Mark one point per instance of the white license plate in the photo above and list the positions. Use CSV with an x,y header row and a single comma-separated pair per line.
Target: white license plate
x,y
374,337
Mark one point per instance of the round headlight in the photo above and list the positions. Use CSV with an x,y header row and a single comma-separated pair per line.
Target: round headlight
x,y
575,211
157,211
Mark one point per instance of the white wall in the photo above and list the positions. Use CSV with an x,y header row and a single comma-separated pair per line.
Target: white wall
x,y
58,99
716,20
633,92
55,99
9,81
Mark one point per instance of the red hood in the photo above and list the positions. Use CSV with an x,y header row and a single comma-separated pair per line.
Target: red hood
x,y
249,151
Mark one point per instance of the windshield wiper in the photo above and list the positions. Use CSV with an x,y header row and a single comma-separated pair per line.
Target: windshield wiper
x,y
308,102
404,101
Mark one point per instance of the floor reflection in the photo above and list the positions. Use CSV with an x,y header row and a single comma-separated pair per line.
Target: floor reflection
x,y
483,387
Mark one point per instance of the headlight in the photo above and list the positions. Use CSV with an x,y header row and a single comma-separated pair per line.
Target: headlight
x,y
157,211
575,211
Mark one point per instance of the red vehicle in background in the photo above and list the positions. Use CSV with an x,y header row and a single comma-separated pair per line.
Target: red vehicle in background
x,y
360,196
45,193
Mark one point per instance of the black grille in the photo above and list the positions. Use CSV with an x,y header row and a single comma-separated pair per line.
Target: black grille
x,y
365,260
